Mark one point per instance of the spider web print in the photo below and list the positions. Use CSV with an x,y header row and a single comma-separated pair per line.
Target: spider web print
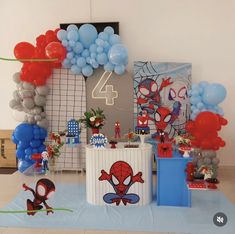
x,y
180,74
67,100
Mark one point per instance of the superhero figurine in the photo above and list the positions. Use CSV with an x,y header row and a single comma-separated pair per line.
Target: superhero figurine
x,y
117,129
149,89
121,178
190,169
43,191
45,156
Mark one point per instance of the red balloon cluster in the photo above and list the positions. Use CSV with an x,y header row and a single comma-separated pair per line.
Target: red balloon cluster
x,y
205,130
47,46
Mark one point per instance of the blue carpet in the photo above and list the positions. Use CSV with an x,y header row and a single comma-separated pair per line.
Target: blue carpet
x,y
198,219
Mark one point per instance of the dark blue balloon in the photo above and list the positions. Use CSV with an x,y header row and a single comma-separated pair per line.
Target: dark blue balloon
x,y
35,143
20,154
28,151
23,165
43,133
14,140
41,148
23,144
24,132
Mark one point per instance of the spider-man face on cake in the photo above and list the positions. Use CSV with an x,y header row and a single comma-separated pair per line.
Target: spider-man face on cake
x,y
121,178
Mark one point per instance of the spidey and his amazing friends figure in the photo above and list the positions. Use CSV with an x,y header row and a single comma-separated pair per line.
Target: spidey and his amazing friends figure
x,y
121,178
43,191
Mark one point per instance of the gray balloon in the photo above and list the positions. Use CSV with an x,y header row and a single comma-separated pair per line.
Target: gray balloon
x,y
28,86
13,103
16,96
215,161
43,123
207,161
28,103
31,119
37,117
26,93
42,90
200,162
40,100
16,77
43,114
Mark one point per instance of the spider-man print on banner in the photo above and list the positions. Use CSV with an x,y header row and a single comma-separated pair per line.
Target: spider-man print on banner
x,y
161,89
121,178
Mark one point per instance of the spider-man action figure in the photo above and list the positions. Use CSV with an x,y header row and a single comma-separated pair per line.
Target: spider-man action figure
x,y
121,178
117,129
43,191
149,89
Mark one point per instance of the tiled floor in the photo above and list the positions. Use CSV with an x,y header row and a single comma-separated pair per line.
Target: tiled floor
x,y
11,184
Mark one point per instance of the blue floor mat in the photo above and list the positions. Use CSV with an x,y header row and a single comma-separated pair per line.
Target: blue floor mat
x,y
197,219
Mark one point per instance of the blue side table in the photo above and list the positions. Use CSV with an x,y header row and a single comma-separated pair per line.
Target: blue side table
x,y
172,188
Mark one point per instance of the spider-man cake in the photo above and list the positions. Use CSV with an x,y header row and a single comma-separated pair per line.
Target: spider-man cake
x,y
142,127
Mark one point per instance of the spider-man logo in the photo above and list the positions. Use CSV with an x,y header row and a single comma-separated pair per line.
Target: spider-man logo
x,y
121,178
150,93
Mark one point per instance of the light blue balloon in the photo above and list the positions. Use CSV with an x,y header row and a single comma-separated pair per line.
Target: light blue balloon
x,y
68,48
118,54
195,92
66,63
62,34
65,43
201,90
81,62
109,30
195,100
88,60
93,55
104,36
119,69
85,53
70,55
200,105
93,48
87,70
114,39
72,43
76,70
109,67
193,107
73,35
78,48
193,116
102,58
214,94
99,49
190,93
195,86
99,42
73,60
88,35
72,27
94,63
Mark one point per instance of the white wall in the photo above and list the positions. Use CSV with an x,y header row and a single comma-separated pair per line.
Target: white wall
x,y
198,31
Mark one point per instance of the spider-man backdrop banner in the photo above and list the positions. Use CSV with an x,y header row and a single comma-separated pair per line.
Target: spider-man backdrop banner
x,y
161,89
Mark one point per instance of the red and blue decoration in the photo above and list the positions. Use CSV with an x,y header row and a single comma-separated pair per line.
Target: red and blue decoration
x,y
74,131
43,191
98,140
121,178
143,123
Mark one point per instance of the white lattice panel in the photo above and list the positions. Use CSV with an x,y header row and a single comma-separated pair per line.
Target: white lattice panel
x,y
67,100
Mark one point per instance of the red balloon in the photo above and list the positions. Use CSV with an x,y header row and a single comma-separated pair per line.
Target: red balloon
x,y
189,126
222,143
207,121
24,50
55,50
41,41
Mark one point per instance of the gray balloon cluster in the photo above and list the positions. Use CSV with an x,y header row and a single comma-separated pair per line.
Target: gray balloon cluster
x,y
207,158
31,100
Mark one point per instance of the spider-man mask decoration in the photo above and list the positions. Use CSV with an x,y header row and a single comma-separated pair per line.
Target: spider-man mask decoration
x,y
162,118
121,178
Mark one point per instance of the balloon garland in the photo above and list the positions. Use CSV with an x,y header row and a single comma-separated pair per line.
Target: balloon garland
x,y
81,50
